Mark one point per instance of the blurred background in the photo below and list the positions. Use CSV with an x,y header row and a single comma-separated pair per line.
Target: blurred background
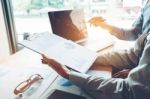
x,y
31,16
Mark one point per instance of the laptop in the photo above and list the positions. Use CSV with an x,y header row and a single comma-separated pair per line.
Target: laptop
x,y
70,24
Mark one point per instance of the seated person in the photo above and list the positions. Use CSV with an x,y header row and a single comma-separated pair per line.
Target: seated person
x,y
137,84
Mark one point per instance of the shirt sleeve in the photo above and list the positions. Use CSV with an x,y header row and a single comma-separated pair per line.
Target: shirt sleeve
x,y
139,79
135,86
137,25
118,59
101,88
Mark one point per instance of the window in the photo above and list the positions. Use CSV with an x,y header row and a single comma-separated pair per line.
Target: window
x,y
4,50
31,15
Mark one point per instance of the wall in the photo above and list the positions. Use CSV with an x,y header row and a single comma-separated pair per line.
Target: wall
x,y
4,46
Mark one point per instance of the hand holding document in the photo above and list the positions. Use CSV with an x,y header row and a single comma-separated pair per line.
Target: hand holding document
x,y
64,51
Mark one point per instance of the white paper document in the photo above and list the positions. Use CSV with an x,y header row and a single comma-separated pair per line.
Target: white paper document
x,y
64,51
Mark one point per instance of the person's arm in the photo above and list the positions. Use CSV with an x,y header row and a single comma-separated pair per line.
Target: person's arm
x,y
98,88
135,86
119,59
121,33
102,88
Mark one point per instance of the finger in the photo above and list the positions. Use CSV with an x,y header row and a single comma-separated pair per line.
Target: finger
x,y
43,55
52,62
46,58
43,61
92,20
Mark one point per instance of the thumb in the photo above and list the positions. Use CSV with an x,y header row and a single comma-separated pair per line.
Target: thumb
x,y
45,58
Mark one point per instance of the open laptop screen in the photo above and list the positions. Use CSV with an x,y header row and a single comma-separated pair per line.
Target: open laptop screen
x,y
69,24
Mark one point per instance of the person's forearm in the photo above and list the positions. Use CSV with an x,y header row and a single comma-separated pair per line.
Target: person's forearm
x,y
107,27
122,59
124,34
101,88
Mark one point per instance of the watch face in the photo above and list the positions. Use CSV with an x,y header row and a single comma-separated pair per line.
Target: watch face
x,y
58,94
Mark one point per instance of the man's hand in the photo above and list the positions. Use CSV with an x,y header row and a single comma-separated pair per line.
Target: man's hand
x,y
59,68
97,21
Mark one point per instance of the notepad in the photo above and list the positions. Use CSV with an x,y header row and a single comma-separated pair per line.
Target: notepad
x,y
62,50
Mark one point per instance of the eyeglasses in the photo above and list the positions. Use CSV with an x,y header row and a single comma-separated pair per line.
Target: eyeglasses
x,y
23,86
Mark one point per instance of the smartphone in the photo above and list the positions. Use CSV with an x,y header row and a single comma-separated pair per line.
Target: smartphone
x,y
59,94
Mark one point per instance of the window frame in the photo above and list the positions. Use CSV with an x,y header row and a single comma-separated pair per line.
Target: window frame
x,y
9,23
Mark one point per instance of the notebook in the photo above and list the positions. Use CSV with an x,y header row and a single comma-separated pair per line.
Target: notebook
x,y
70,24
